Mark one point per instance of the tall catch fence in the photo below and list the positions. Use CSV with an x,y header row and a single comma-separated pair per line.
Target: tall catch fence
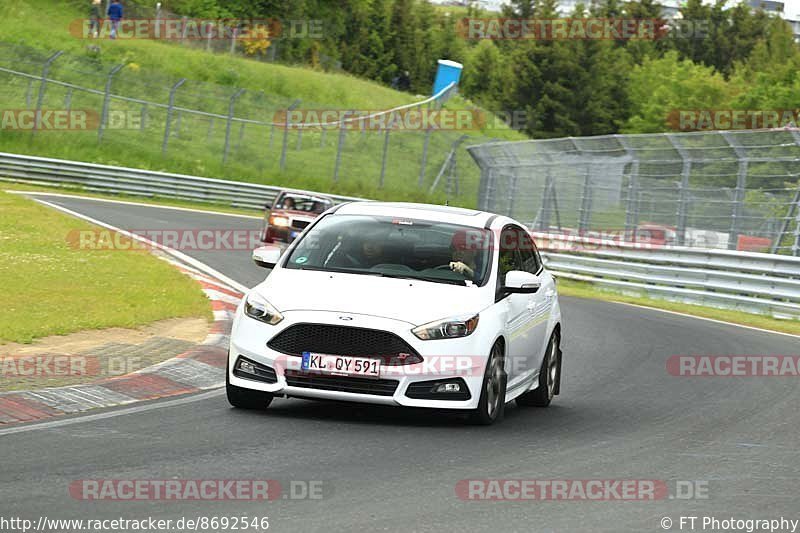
x,y
735,190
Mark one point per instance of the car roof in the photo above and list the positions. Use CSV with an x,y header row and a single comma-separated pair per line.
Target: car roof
x,y
436,213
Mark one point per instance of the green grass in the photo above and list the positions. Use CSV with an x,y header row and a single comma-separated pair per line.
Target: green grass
x,y
50,288
38,27
580,289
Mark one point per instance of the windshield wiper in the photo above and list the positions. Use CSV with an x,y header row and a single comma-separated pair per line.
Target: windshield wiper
x,y
425,278
339,270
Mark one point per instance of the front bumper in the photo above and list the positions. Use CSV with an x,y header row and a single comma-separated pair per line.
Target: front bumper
x,y
443,360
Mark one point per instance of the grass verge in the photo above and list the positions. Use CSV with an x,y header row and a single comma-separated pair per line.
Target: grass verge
x,y
581,289
52,289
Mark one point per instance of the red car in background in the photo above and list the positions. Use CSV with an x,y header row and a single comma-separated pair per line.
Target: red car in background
x,y
290,214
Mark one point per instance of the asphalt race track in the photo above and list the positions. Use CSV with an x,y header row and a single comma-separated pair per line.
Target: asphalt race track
x,y
621,415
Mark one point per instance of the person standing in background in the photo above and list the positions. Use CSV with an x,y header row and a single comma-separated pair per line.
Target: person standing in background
x,y
115,14
94,19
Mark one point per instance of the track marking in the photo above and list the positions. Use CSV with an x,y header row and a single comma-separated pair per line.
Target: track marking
x,y
138,204
175,253
678,313
61,422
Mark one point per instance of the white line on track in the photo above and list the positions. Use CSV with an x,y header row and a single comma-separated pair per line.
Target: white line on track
x,y
61,422
138,204
175,253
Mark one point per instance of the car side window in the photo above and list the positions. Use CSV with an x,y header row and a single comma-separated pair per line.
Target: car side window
x,y
509,258
530,256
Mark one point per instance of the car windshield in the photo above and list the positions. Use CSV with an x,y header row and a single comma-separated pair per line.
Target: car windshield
x,y
299,202
391,247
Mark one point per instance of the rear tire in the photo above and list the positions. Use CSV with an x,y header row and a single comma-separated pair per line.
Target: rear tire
x,y
492,403
549,378
246,398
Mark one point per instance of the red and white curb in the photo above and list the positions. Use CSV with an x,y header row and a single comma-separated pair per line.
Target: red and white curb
x,y
202,367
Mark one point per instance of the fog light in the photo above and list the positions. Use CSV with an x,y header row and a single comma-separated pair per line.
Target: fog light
x,y
448,387
246,366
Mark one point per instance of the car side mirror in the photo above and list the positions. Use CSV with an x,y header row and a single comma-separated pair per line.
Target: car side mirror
x,y
267,256
521,282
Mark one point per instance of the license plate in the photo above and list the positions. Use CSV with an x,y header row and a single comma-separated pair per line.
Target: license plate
x,y
341,365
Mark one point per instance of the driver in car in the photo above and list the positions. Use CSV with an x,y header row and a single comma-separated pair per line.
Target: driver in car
x,y
288,203
464,254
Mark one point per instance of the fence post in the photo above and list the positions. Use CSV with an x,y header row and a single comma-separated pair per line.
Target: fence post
x,y
286,125
37,119
68,100
544,218
106,102
683,201
233,40
425,144
340,145
231,104
796,243
389,127
739,192
586,202
169,114
28,94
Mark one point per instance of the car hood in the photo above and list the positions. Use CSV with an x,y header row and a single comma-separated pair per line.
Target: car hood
x,y
411,301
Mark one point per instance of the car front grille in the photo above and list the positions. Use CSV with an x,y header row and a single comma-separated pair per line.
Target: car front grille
x,y
378,387
300,224
344,340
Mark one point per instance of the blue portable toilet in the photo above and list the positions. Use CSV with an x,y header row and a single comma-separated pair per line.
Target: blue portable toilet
x,y
447,72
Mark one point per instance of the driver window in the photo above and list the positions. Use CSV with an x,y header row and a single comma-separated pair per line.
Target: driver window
x,y
509,258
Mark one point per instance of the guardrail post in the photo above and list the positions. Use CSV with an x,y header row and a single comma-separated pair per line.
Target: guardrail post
x,y
106,102
37,119
340,145
231,104
286,125
169,114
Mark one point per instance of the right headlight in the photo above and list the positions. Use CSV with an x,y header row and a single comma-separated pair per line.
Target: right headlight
x,y
260,309
450,328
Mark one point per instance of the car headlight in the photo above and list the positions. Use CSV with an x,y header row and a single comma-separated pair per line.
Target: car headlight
x,y
279,221
258,308
450,328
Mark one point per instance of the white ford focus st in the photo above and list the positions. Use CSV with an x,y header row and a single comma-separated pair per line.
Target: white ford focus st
x,y
401,304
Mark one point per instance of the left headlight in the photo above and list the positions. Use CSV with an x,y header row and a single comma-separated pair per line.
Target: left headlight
x,y
450,328
258,308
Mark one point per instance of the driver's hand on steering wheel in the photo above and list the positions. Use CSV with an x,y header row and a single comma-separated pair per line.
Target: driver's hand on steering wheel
x,y
461,268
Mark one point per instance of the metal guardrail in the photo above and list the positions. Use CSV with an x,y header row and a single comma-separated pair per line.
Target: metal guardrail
x,y
746,281
136,182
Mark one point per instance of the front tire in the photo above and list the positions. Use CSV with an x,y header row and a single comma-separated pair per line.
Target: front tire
x,y
549,378
246,398
492,403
